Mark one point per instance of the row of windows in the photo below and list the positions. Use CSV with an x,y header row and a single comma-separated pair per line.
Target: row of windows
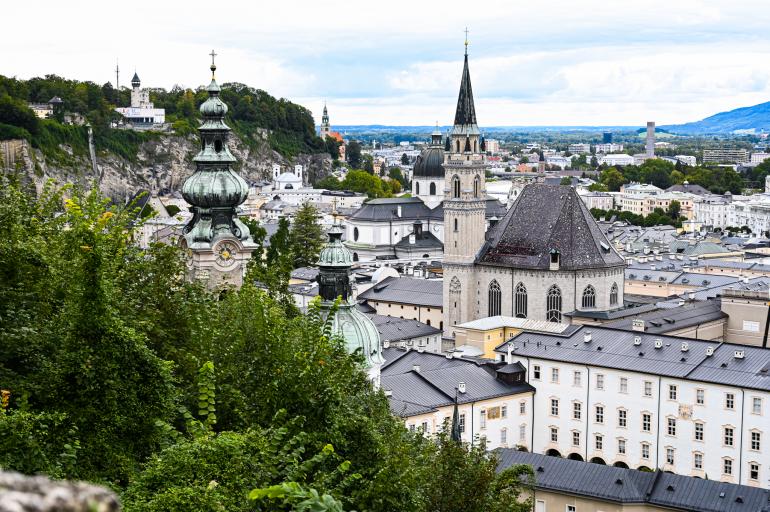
x,y
553,299
673,389
431,191
456,187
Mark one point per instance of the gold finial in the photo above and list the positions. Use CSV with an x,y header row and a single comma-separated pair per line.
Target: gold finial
x,y
213,66
334,211
466,40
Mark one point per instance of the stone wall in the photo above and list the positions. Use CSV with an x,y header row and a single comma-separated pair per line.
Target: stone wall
x,y
19,493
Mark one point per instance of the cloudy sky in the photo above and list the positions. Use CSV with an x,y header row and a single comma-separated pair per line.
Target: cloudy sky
x,y
538,62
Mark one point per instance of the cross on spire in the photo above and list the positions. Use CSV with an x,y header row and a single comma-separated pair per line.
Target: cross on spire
x,y
466,40
213,66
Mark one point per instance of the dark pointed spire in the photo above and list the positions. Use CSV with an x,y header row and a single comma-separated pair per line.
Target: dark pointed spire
x,y
455,436
466,111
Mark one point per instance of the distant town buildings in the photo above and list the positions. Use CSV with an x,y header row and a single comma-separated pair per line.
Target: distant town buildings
x,y
725,155
616,159
142,114
579,148
46,110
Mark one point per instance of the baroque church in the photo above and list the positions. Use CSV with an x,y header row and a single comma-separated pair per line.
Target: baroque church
x,y
544,259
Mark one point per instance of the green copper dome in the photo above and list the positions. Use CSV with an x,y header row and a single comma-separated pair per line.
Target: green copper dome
x,y
359,332
334,253
215,188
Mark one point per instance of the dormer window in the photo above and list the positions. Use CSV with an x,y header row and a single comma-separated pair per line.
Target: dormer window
x,y
218,145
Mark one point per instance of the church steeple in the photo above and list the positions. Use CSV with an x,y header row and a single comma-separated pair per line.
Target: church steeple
x,y
465,115
217,241
325,126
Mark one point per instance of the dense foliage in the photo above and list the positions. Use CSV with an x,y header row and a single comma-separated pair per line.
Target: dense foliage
x,y
307,237
114,369
663,174
363,182
291,126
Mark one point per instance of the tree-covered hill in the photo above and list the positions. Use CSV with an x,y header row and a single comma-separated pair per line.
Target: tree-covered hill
x,y
291,126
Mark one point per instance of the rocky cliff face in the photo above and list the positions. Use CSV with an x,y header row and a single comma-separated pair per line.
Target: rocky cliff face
x,y
161,165
19,493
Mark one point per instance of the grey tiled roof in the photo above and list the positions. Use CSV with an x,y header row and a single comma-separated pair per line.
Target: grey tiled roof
x,y
663,320
305,273
412,208
623,485
406,290
433,385
392,328
613,348
546,218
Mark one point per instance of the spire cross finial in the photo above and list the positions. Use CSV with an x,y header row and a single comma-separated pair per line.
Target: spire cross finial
x,y
466,40
213,66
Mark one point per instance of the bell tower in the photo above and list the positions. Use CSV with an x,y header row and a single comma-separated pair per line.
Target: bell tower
x,y
217,244
464,207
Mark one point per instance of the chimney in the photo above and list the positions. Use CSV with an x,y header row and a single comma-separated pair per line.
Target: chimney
x,y
398,211
738,354
411,239
510,353
658,343
587,337
709,351
388,392
416,368
685,346
386,344
637,324
461,387
637,340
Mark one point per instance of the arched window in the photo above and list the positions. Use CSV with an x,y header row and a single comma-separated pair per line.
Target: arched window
x,y
455,224
589,297
495,297
456,187
355,234
614,294
457,145
417,187
475,146
520,301
553,304
476,186
355,256
432,189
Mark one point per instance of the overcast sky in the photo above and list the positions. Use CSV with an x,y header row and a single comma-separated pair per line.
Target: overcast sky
x,y
539,62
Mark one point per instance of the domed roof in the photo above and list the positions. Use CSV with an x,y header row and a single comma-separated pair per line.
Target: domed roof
x,y
288,177
334,253
430,163
359,332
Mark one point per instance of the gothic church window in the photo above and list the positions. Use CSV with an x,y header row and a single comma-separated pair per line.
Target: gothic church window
x,y
520,301
495,297
614,294
432,188
456,187
589,297
553,304
476,186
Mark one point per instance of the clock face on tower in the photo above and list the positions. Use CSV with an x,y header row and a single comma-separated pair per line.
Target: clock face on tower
x,y
226,252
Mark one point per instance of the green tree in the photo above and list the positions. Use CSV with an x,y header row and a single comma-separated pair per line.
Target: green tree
x,y
363,182
674,209
566,180
307,237
353,154
657,172
368,164
395,173
329,183
677,178
612,179
598,187
404,159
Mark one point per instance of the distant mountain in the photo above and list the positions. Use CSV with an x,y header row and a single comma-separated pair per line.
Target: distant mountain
x,y
745,118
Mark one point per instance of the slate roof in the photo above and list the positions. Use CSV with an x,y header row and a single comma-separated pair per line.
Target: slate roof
x,y
305,273
623,485
663,320
406,290
546,218
412,208
429,164
613,348
425,240
689,188
433,386
396,329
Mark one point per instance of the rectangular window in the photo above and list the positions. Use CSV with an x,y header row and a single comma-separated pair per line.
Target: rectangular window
x,y
672,392
729,436
698,431
671,426
645,451
754,471
504,411
425,428
756,405
571,508
576,410
647,388
522,433
729,401
669,455
598,441
576,439
555,375
577,379
522,407
462,423
503,436
554,434
697,461
700,396
756,439
599,381
483,422
727,466
646,422
599,414
536,372
622,418
624,385
554,406
621,446
412,428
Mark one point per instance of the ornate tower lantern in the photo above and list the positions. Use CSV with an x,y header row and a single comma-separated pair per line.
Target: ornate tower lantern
x,y
218,245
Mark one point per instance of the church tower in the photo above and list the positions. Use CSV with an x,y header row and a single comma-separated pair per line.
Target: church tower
x,y
464,206
325,126
216,243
